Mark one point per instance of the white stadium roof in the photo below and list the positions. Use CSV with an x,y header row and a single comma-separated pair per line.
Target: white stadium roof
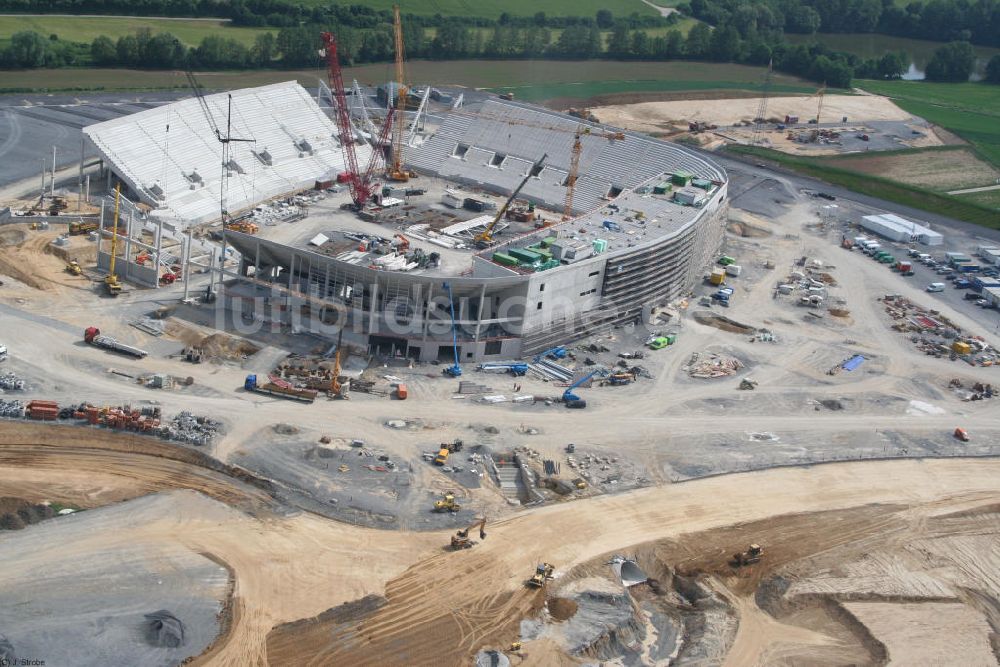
x,y
171,158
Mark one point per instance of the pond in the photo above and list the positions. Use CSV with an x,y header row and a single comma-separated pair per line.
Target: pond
x,y
869,45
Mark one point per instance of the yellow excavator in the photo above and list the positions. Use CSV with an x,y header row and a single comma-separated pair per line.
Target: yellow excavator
x,y
460,540
543,572
73,268
485,238
111,282
448,504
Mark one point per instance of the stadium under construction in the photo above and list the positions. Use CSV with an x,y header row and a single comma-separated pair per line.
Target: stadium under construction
x,y
606,224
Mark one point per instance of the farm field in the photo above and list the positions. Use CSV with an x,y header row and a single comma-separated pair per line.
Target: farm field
x,y
86,28
542,77
970,110
937,169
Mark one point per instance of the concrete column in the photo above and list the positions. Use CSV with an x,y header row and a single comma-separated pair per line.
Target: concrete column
x,y
374,308
159,248
52,191
186,264
427,313
100,229
479,315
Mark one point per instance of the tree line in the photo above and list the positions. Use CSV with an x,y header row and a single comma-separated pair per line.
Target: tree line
x,y
299,46
974,21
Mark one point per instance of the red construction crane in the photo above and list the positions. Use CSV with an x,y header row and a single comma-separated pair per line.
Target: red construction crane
x,y
362,184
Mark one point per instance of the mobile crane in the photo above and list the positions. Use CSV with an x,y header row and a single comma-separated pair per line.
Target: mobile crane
x,y
460,540
111,282
454,370
485,237
572,400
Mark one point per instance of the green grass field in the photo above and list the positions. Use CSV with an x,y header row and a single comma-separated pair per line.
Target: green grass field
x,y
513,7
907,195
538,75
86,28
970,110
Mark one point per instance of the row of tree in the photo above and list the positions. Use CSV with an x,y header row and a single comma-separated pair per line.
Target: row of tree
x,y
975,21
299,47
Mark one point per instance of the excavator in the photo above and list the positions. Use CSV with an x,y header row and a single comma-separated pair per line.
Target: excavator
x,y
460,540
73,268
447,505
751,555
485,238
111,282
542,574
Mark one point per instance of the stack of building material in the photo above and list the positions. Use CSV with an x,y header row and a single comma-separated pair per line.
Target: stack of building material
x,y
713,366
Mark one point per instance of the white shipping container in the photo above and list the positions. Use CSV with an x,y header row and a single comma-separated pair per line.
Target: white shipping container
x,y
734,270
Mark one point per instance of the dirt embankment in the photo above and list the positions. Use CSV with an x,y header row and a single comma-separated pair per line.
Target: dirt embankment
x,y
139,465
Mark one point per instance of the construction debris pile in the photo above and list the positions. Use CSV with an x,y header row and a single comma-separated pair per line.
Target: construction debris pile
x,y
11,382
194,429
810,283
935,335
979,390
184,427
712,365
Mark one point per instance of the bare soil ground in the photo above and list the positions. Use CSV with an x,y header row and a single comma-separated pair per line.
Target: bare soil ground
x,y
652,116
937,170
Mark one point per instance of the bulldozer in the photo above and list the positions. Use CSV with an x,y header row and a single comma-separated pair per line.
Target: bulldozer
x,y
460,540
543,572
448,504
73,268
751,555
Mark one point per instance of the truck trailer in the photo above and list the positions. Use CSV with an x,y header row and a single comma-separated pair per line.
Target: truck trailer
x,y
94,337
280,389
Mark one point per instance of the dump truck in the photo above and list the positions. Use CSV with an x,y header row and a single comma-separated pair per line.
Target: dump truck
x,y
82,227
751,555
279,388
543,572
442,456
93,336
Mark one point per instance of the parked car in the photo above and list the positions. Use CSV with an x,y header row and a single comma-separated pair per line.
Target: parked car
x,y
972,296
982,303
935,287
962,283
950,275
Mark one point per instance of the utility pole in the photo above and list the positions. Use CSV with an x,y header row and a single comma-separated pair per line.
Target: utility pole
x,y
53,191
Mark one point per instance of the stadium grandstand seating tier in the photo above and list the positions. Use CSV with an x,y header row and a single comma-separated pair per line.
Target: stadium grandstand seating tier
x,y
171,159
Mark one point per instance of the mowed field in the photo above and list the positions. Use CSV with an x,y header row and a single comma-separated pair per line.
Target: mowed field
x,y
536,79
938,169
970,110
86,28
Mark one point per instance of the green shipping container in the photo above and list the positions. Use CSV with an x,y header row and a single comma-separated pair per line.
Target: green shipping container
x,y
526,256
726,260
680,178
661,188
600,245
547,241
506,260
701,183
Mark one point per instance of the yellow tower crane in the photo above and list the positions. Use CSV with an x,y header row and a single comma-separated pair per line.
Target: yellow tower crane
x,y
396,171
574,169
111,282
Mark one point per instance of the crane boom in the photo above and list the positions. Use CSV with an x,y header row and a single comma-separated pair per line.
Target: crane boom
x,y
574,170
455,370
568,395
396,172
485,237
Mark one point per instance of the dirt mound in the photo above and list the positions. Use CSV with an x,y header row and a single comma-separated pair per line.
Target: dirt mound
x,y
840,312
832,404
10,237
226,347
747,230
164,629
562,609
722,322
16,513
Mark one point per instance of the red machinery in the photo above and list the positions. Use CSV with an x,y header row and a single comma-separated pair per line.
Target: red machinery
x,y
362,184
